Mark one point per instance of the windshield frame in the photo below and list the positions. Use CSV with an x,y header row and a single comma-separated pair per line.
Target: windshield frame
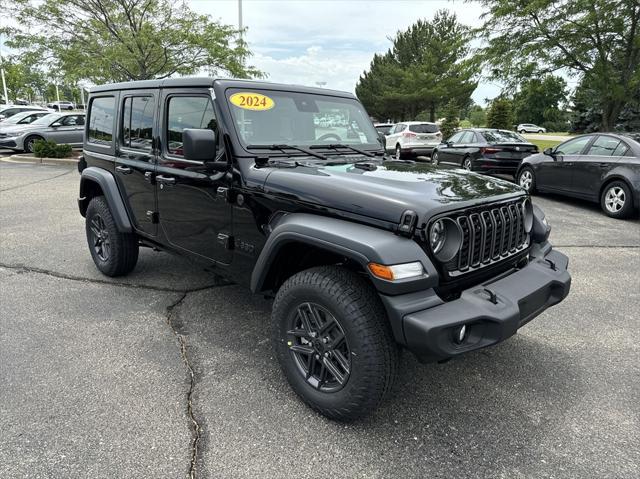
x,y
251,146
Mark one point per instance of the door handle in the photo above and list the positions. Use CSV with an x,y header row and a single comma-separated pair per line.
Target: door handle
x,y
125,170
604,165
165,180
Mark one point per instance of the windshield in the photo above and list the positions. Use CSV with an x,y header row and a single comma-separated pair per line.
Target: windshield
x,y
269,117
496,136
47,119
424,128
12,120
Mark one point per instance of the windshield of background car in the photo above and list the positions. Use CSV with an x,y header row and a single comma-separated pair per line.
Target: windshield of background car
x,y
47,119
424,128
267,117
502,136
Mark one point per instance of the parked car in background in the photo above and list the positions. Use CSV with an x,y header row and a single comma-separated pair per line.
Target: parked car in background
x,y
412,138
9,111
600,167
530,128
384,128
61,105
59,127
23,118
484,150
21,101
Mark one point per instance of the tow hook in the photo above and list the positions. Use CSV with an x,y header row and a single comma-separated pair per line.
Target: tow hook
x,y
552,265
493,298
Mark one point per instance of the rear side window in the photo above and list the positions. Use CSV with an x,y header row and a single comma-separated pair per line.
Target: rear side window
x,y
604,146
424,128
187,112
137,122
621,150
101,115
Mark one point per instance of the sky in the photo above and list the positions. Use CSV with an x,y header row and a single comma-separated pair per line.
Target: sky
x,y
309,41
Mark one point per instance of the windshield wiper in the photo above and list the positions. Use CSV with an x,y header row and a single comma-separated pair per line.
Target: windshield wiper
x,y
287,147
336,146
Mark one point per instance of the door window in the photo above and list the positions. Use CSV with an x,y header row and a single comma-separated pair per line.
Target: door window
x,y
187,112
137,122
467,137
621,150
603,146
101,114
455,138
573,147
73,120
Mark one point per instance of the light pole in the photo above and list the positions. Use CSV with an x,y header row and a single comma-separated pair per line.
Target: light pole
x,y
4,83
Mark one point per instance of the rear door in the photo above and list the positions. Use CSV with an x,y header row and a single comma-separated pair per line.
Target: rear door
x,y
556,172
394,136
136,157
445,150
591,167
195,215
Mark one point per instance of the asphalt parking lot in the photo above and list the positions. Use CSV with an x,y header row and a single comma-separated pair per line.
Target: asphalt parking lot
x,y
95,373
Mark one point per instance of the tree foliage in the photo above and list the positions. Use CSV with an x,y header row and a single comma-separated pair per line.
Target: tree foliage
x,y
540,100
451,121
118,40
427,66
500,114
598,39
477,116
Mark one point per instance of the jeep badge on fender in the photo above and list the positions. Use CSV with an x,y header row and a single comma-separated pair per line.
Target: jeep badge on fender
x,y
287,190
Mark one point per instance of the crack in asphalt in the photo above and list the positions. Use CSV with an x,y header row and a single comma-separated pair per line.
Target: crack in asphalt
x,y
36,182
20,268
195,425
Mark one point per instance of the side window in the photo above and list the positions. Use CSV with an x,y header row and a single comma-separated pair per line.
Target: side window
x,y
187,112
73,120
101,112
455,138
621,149
573,147
603,146
137,122
468,137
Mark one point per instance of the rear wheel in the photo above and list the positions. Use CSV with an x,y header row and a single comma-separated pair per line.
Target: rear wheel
x,y
522,132
540,131
616,200
398,152
114,253
527,179
333,342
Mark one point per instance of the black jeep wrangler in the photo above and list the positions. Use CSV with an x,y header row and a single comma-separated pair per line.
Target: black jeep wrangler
x,y
288,190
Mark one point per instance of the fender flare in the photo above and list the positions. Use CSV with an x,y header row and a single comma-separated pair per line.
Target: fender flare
x,y
360,243
107,183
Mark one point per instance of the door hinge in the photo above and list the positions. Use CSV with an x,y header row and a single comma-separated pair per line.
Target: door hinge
x,y
225,241
154,216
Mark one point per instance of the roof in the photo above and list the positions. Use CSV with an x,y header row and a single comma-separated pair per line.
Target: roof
x,y
207,82
417,123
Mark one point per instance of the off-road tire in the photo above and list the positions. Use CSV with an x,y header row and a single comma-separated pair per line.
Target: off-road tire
x,y
123,247
29,143
627,209
373,351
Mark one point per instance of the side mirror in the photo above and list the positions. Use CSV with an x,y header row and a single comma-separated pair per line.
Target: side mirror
x,y
199,144
448,143
56,124
548,151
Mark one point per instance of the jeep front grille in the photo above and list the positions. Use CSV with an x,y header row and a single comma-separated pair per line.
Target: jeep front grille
x,y
490,234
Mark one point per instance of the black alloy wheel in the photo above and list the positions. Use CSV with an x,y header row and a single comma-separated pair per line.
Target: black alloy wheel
x,y
100,238
319,348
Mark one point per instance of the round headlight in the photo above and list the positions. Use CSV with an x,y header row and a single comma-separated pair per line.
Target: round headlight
x,y
528,215
445,239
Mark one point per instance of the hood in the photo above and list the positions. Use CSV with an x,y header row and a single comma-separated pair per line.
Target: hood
x,y
385,190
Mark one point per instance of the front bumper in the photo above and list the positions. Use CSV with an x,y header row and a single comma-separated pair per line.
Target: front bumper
x,y
491,312
8,143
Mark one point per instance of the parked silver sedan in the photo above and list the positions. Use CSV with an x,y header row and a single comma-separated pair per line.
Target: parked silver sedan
x,y
59,127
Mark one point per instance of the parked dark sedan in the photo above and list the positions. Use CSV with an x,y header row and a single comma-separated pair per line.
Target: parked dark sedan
x,y
484,150
600,167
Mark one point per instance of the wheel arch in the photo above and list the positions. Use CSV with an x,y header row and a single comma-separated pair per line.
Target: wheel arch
x,y
302,240
37,136
617,177
95,182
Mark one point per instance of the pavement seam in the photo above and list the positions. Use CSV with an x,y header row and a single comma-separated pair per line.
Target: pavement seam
x,y
634,246
31,269
36,182
195,425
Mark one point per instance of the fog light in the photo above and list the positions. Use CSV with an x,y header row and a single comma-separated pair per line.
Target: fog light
x,y
461,334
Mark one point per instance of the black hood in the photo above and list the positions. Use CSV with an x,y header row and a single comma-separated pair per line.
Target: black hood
x,y
384,190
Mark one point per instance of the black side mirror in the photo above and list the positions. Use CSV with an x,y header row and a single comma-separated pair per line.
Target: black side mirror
x,y
448,144
548,151
199,144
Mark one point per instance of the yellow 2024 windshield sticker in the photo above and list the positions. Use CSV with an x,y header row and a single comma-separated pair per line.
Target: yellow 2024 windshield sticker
x,y
252,101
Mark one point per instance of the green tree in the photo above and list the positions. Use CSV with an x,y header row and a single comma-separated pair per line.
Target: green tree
x,y
118,40
451,121
598,39
477,116
540,99
427,66
500,114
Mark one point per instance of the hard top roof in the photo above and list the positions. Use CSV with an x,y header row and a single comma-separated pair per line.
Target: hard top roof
x,y
208,82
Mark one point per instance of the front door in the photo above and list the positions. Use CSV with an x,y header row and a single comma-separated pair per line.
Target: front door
x,y
556,172
136,157
68,130
194,213
592,166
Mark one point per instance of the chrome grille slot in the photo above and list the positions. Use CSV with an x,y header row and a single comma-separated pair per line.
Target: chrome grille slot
x,y
490,234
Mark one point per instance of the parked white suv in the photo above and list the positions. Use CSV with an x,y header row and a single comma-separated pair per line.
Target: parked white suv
x,y
60,105
413,138
530,128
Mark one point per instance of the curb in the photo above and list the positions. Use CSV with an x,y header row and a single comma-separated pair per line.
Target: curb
x,y
44,161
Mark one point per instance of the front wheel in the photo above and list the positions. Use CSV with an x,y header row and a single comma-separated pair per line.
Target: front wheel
x,y
333,342
540,131
114,253
30,143
527,179
466,164
616,200
434,157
